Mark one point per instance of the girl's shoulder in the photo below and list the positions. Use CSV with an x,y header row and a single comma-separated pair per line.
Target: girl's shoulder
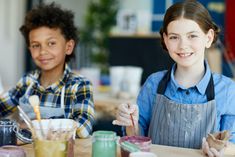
x,y
153,80
157,76
222,79
223,82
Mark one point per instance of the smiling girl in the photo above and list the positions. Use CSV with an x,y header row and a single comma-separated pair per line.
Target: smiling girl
x,y
180,106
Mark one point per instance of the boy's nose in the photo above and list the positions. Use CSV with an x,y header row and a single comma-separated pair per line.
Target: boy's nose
x,y
43,51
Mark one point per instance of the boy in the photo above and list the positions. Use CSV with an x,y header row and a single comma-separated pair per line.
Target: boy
x,y
51,37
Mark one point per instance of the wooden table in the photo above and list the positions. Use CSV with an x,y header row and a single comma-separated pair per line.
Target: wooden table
x,y
83,148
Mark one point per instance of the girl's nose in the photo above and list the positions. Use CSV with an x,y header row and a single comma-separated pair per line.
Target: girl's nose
x,y
183,43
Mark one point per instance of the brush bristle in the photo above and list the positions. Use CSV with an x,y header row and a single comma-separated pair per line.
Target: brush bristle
x,y
34,100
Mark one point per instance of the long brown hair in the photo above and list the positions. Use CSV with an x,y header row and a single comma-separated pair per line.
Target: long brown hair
x,y
192,10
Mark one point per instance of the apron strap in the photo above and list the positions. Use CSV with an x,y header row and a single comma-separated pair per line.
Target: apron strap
x,y
210,92
163,83
62,97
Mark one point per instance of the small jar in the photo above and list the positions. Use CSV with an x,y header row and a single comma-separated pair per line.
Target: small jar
x,y
12,151
104,144
143,143
8,129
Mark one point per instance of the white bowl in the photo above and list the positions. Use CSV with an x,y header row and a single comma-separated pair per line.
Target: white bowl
x,y
142,154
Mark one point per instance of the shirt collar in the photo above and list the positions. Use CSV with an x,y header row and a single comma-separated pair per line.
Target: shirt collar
x,y
55,86
173,84
201,86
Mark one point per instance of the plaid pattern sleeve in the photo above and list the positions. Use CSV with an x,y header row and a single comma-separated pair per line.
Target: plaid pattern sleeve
x,y
10,99
83,108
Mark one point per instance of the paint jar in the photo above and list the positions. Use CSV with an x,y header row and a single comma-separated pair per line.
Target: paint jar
x,y
104,144
54,137
50,148
8,130
142,142
12,151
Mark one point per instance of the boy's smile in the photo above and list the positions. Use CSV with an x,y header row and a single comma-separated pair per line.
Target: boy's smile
x,y
48,48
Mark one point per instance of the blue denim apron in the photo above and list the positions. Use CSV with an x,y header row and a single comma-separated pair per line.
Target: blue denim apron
x,y
182,125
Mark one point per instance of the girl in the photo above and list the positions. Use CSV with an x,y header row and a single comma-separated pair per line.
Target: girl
x,y
180,106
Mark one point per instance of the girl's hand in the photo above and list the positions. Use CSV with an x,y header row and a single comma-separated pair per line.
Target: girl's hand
x,y
127,114
209,151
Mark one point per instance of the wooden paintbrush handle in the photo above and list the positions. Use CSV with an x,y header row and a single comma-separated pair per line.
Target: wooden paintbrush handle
x,y
37,112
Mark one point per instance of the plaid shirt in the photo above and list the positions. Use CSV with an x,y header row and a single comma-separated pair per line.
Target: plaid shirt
x,y
78,98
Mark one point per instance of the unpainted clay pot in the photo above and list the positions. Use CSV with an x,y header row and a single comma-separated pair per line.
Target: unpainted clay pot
x,y
218,140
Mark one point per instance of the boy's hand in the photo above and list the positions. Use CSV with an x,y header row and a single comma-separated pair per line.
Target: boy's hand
x,y
209,151
125,114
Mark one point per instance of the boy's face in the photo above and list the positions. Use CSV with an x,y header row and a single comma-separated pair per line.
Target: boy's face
x,y
186,42
49,48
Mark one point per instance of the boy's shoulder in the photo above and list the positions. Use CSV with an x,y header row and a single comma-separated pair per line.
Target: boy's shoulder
x,y
29,76
75,78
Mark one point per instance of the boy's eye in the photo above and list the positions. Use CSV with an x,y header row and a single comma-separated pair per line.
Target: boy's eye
x,y
51,43
34,46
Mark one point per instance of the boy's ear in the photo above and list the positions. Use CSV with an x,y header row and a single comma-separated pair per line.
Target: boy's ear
x,y
69,47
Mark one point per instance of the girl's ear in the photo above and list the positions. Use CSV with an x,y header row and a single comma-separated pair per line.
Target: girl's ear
x,y
210,37
69,47
165,39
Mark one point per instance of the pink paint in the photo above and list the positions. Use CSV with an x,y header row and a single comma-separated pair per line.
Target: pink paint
x,y
11,151
144,143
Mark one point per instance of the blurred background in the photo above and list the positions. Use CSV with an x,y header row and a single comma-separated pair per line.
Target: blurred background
x,y
112,33
119,46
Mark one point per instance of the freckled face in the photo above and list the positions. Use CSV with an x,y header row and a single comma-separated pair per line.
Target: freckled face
x,y
48,48
186,42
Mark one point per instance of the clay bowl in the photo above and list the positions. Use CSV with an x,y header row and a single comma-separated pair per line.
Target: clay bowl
x,y
218,140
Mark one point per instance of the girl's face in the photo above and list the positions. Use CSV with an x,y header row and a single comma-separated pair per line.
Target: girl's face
x,y
49,48
186,42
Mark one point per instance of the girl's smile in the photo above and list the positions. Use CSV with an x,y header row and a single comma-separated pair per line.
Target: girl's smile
x,y
185,55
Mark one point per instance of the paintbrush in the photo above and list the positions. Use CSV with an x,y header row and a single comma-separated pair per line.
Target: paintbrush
x,y
132,120
34,101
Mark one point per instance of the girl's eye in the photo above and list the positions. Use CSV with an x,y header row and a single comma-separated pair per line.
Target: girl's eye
x,y
173,37
192,36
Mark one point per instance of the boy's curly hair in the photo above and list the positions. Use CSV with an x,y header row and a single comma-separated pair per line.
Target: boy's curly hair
x,y
52,16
